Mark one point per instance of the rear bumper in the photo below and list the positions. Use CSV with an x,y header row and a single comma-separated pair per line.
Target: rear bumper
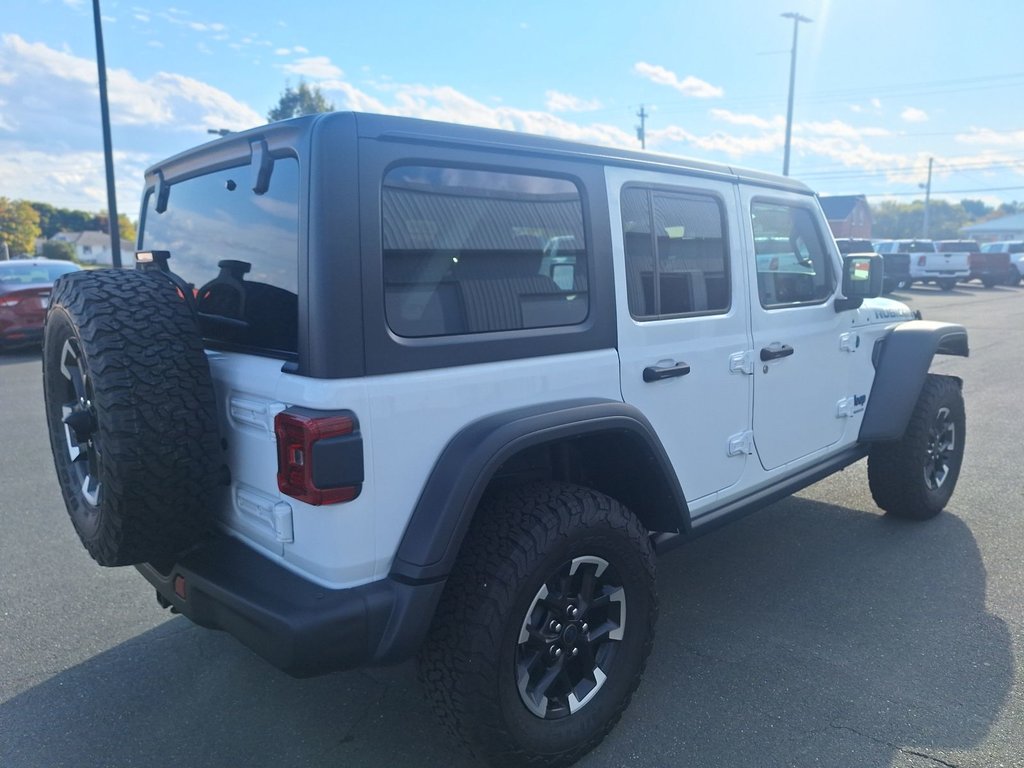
x,y
297,625
16,336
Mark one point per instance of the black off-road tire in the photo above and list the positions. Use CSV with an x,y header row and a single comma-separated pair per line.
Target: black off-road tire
x,y
131,415
477,666
914,477
947,283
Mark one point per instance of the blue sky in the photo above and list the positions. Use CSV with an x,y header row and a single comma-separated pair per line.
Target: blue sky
x,y
881,86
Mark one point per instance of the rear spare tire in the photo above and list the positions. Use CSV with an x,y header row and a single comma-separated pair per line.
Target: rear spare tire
x,y
131,414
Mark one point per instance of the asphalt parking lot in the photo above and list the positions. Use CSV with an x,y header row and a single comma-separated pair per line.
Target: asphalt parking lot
x,y
815,633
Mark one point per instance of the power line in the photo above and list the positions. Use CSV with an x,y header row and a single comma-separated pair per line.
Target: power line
x,y
942,192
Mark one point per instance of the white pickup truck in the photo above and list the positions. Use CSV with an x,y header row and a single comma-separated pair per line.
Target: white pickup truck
x,y
929,265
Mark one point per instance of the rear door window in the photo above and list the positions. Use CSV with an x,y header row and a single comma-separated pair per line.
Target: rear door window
x,y
473,251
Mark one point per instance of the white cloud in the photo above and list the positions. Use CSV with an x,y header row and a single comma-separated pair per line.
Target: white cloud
x,y
300,49
755,121
839,129
688,86
448,104
40,78
876,103
315,68
988,137
71,179
564,102
282,51
914,115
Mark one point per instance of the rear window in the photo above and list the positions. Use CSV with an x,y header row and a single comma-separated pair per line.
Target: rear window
x,y
28,273
917,246
957,246
238,250
855,246
474,251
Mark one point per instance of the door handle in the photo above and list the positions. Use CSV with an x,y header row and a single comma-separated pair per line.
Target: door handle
x,y
653,373
775,351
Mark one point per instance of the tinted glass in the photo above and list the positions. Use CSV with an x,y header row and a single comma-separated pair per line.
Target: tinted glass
x,y
239,250
27,273
472,251
957,246
854,246
675,253
793,265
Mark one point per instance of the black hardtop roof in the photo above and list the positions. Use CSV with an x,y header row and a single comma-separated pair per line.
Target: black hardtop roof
x,y
373,126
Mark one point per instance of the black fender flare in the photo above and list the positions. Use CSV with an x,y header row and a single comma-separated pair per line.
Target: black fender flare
x,y
902,359
449,499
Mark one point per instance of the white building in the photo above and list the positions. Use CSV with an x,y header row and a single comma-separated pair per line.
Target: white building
x,y
1004,228
94,247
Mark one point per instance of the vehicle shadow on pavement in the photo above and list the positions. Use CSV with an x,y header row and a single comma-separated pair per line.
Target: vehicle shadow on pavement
x,y
17,356
809,634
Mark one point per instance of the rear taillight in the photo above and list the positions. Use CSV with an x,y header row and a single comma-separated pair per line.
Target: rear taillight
x,y
922,260
9,302
319,455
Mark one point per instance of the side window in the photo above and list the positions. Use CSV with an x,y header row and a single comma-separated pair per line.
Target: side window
x,y
675,253
793,265
472,251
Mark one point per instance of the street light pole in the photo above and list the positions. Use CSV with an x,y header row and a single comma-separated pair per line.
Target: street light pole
x,y
797,18
108,153
927,198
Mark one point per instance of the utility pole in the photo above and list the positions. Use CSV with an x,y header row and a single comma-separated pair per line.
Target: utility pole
x,y
641,130
797,18
108,154
927,198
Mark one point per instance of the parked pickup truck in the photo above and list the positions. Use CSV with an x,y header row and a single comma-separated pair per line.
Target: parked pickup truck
x,y
896,266
991,268
928,264
1015,250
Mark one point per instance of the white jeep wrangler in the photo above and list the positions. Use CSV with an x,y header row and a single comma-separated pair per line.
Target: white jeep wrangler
x,y
382,386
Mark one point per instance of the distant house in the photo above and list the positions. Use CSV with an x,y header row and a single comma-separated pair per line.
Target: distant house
x,y
1004,228
848,215
93,247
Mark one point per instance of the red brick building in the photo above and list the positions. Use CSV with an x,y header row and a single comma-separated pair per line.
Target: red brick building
x,y
848,215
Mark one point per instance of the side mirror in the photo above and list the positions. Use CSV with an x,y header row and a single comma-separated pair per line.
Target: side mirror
x,y
862,279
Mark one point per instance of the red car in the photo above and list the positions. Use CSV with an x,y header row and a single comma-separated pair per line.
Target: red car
x,y
25,286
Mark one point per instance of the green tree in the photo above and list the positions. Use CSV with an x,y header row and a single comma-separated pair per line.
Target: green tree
x,y
127,228
58,249
19,226
53,220
904,220
975,209
303,100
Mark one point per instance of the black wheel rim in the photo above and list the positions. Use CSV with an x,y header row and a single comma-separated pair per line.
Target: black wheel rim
x,y
570,637
941,449
78,414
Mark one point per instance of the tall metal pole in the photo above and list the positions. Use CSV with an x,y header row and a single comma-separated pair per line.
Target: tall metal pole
x,y
108,154
927,199
797,18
